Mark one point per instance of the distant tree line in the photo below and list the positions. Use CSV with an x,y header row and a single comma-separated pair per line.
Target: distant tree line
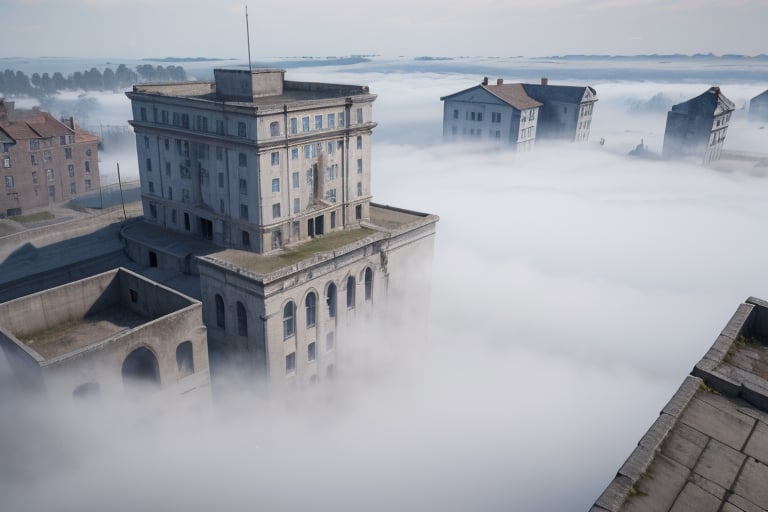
x,y
17,83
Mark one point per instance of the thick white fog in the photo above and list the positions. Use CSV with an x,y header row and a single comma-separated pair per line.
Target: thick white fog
x,y
573,289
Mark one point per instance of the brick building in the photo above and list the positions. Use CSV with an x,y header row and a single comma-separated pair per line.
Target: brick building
x,y
43,160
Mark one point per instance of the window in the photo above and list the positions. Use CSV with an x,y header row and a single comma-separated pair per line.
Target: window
x,y
350,292
533,114
294,125
219,153
174,215
87,167
329,340
294,153
306,151
289,320
341,119
201,123
455,114
295,179
153,211
318,122
33,159
311,353
68,153
241,129
495,117
49,174
143,113
305,124
219,311
164,117
149,165
276,210
34,145
274,129
296,205
472,116
331,120
359,166
359,115
359,142
276,185
170,193
244,211
7,162
242,320
275,156
242,160
62,141
330,148
220,126
310,304
151,188
277,239
479,116
330,195
9,182
333,220
368,278
359,212
185,120
146,142
245,238
87,184
184,363
330,300
47,155
290,362
359,188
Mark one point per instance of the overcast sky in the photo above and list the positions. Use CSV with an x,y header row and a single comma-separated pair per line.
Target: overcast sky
x,y
207,28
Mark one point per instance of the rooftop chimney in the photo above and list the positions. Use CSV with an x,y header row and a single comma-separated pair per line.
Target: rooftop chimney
x,y
544,80
499,81
485,80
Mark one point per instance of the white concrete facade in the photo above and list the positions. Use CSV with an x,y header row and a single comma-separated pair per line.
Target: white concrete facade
x,y
258,174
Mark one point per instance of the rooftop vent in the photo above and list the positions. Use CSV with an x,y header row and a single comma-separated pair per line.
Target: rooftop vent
x,y
544,80
499,81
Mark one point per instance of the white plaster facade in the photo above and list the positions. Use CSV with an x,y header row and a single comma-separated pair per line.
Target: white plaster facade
x,y
255,164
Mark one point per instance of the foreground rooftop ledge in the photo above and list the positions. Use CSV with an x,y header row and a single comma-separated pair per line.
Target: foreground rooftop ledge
x,y
735,367
386,223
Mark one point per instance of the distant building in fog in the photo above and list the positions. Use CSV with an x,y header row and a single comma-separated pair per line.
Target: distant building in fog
x,y
517,114
696,128
758,107
566,111
43,160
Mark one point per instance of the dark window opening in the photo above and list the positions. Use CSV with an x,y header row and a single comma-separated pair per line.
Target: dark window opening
x,y
141,374
134,295
220,319
242,320
184,362
330,299
152,259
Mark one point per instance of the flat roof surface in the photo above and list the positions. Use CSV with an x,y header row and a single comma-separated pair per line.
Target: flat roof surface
x,y
708,450
70,336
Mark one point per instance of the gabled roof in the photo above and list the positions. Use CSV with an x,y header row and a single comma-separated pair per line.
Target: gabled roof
x,y
711,102
513,94
763,95
560,93
34,125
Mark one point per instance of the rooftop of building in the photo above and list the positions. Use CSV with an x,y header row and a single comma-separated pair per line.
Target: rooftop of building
x,y
708,450
87,312
385,222
263,88
711,101
523,96
24,124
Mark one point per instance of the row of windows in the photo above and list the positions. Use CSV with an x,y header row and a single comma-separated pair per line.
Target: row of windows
x,y
34,144
10,182
200,122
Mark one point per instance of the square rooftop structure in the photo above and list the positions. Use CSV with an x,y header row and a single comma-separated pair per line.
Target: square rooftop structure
x,y
253,161
113,335
708,449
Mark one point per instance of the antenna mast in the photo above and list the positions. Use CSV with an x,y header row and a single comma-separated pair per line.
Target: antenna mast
x,y
248,36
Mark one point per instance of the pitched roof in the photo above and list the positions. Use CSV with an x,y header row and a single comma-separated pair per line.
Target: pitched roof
x,y
34,125
561,93
513,94
709,101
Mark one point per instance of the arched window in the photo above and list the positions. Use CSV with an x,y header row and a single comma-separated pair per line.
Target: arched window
x,y
350,292
330,299
219,311
141,373
368,283
310,302
184,362
242,320
289,320
274,129
87,391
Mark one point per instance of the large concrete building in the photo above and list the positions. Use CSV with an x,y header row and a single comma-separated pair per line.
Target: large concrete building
x,y
272,178
518,114
251,160
758,107
44,160
708,449
115,336
696,128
